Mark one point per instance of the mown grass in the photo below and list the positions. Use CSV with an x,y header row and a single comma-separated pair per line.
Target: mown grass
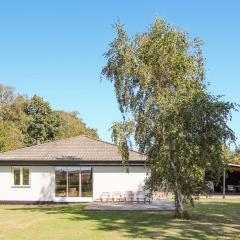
x,y
209,219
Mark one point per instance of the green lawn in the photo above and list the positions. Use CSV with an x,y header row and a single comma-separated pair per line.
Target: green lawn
x,y
210,219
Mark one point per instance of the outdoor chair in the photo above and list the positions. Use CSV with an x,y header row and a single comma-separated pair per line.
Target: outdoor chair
x,y
129,196
116,196
141,197
230,188
105,196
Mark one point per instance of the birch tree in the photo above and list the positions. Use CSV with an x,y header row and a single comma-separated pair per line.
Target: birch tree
x,y
160,86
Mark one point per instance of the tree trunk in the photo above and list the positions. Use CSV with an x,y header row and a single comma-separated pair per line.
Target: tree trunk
x,y
178,204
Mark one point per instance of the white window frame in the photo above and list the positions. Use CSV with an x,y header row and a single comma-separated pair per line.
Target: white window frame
x,y
21,177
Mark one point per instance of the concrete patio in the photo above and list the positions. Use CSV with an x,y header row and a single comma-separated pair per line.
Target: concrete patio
x,y
160,205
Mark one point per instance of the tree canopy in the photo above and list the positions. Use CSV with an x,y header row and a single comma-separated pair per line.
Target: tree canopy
x,y
159,81
10,136
23,121
72,126
233,156
44,123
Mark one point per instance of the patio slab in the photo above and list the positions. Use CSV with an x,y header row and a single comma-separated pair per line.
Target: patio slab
x,y
160,205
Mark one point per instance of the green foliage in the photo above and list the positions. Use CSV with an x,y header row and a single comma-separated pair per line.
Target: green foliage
x,y
159,81
10,136
74,126
44,123
15,112
24,121
6,95
121,133
234,157
226,153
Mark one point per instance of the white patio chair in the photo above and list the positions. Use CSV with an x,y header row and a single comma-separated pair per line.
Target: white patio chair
x,y
230,188
129,196
116,196
105,196
141,196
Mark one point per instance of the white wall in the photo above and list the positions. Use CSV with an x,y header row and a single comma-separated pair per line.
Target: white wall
x,y
115,178
42,183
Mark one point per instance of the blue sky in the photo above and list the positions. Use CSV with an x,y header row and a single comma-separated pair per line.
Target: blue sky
x,y
54,49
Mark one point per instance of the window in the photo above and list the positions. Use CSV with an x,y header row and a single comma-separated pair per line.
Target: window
x,y
17,176
25,176
73,182
21,176
86,183
60,183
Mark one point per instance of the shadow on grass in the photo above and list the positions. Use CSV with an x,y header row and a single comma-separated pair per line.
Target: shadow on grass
x,y
208,220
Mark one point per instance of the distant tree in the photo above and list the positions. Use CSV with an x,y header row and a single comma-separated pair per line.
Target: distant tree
x,y
227,153
10,136
227,156
15,113
6,95
235,156
44,123
32,119
6,98
159,82
74,126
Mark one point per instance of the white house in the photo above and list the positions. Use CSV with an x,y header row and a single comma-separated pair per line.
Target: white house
x,y
76,169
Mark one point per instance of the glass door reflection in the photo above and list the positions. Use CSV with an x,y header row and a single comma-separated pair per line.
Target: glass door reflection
x,y
73,183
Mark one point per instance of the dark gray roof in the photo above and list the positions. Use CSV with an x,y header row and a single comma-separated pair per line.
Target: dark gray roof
x,y
80,148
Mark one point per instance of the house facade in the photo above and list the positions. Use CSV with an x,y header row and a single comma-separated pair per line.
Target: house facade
x,y
76,169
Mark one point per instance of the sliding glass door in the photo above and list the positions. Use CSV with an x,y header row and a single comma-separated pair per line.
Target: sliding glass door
x,y
73,182
86,182
61,183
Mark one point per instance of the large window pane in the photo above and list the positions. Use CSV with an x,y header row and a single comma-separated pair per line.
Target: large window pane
x,y
60,183
73,183
25,176
86,183
17,176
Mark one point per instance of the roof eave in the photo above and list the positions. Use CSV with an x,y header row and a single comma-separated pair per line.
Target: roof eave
x,y
69,163
233,164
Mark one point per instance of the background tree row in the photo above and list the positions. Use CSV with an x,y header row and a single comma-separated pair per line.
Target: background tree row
x,y
24,120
